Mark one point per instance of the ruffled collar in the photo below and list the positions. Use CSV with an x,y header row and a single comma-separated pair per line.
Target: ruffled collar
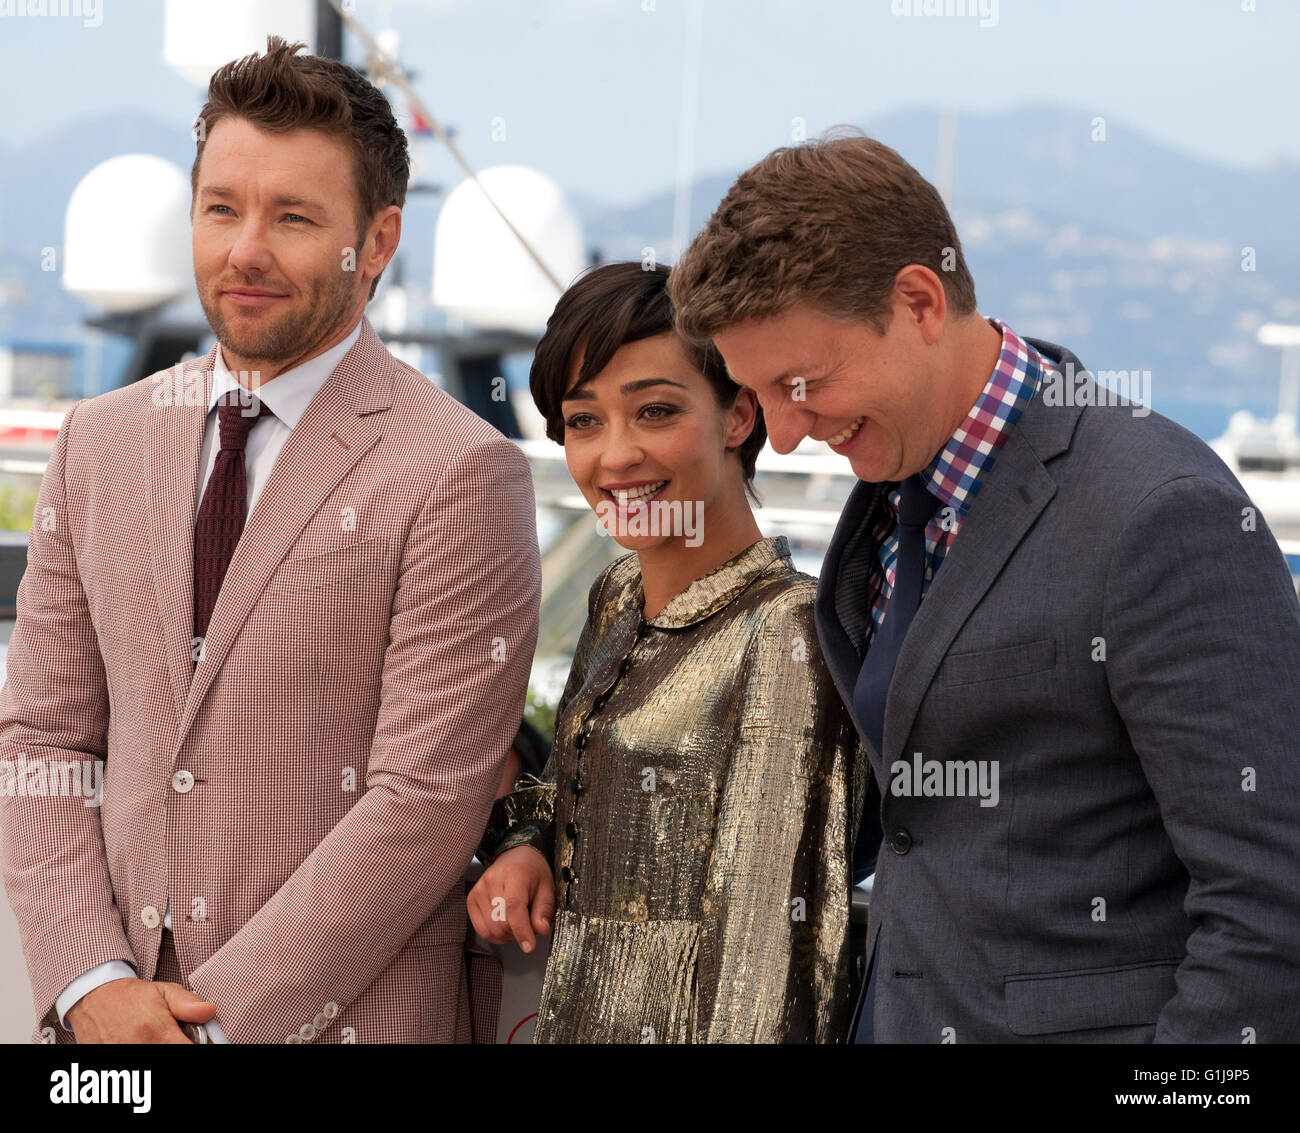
x,y
710,592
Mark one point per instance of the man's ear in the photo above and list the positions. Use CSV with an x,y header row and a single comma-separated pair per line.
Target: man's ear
x,y
919,297
741,417
379,243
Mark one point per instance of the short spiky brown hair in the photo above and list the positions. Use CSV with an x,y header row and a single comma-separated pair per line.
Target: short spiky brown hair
x,y
829,223
279,92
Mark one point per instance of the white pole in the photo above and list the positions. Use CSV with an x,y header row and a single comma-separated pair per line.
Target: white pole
x,y
691,52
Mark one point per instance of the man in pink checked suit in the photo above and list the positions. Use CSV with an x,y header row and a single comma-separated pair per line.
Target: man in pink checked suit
x,y
290,591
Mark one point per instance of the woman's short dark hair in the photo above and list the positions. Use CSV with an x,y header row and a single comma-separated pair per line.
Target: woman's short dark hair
x,y
606,308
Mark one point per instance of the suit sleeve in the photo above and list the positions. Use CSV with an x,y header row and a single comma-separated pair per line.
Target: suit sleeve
x,y
774,934
462,632
1202,630
53,715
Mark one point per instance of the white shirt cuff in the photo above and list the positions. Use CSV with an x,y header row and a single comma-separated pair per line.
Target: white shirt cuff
x,y
84,984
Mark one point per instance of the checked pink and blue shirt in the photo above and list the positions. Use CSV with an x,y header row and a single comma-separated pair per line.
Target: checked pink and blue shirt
x,y
955,474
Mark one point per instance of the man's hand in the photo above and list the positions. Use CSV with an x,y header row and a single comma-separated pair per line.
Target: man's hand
x,y
514,899
137,1011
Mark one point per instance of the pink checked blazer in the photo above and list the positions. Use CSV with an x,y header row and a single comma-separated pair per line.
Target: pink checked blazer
x,y
308,796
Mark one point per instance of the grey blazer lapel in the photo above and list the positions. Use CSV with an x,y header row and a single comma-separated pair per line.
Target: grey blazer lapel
x,y
1010,500
1015,493
841,618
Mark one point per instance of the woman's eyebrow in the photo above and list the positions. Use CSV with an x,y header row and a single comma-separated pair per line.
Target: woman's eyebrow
x,y
583,393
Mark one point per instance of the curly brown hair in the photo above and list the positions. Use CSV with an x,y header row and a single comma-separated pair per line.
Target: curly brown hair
x,y
830,223
279,92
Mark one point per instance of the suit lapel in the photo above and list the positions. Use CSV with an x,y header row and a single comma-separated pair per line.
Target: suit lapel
x,y
332,436
1012,496
845,566
1009,501
174,438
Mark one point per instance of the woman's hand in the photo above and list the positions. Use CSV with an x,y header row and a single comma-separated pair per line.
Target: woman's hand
x,y
514,899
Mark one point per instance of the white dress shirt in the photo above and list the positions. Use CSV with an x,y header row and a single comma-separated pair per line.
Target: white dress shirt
x,y
286,396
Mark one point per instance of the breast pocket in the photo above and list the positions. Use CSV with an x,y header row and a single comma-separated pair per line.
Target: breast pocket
x,y
330,567
997,664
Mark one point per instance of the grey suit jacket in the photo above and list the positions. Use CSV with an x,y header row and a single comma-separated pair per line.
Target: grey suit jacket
x,y
1113,636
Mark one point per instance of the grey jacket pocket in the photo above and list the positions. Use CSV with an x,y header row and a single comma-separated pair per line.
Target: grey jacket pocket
x,y
997,664
1123,996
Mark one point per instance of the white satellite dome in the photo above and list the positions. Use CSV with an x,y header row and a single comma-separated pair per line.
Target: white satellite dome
x,y
481,272
126,236
200,37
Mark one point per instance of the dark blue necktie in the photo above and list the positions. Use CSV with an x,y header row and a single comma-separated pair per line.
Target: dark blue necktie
x,y
871,692
915,507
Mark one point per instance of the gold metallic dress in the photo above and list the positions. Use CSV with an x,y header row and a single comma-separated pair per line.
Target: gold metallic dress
x,y
698,808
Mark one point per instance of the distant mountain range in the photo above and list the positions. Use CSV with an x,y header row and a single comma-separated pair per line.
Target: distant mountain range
x,y
1127,251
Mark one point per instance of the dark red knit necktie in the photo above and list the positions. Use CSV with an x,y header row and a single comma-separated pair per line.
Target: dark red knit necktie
x,y
221,515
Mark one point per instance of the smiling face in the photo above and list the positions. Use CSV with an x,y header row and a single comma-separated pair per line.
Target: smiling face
x,y
648,428
273,215
878,400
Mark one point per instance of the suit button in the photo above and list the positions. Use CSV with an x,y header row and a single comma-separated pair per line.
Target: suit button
x,y
182,781
149,916
901,841
331,1011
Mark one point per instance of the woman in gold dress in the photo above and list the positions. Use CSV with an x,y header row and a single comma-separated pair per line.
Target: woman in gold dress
x,y
692,830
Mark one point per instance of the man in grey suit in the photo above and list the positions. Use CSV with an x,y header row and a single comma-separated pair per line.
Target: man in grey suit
x,y
1068,640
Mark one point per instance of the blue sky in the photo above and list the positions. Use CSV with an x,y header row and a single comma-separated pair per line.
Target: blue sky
x,y
591,90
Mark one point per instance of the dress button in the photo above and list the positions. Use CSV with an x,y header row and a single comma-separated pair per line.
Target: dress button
x,y
149,917
577,785
320,1022
182,781
293,1039
307,1032
901,841
580,740
331,1011
571,829
566,874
